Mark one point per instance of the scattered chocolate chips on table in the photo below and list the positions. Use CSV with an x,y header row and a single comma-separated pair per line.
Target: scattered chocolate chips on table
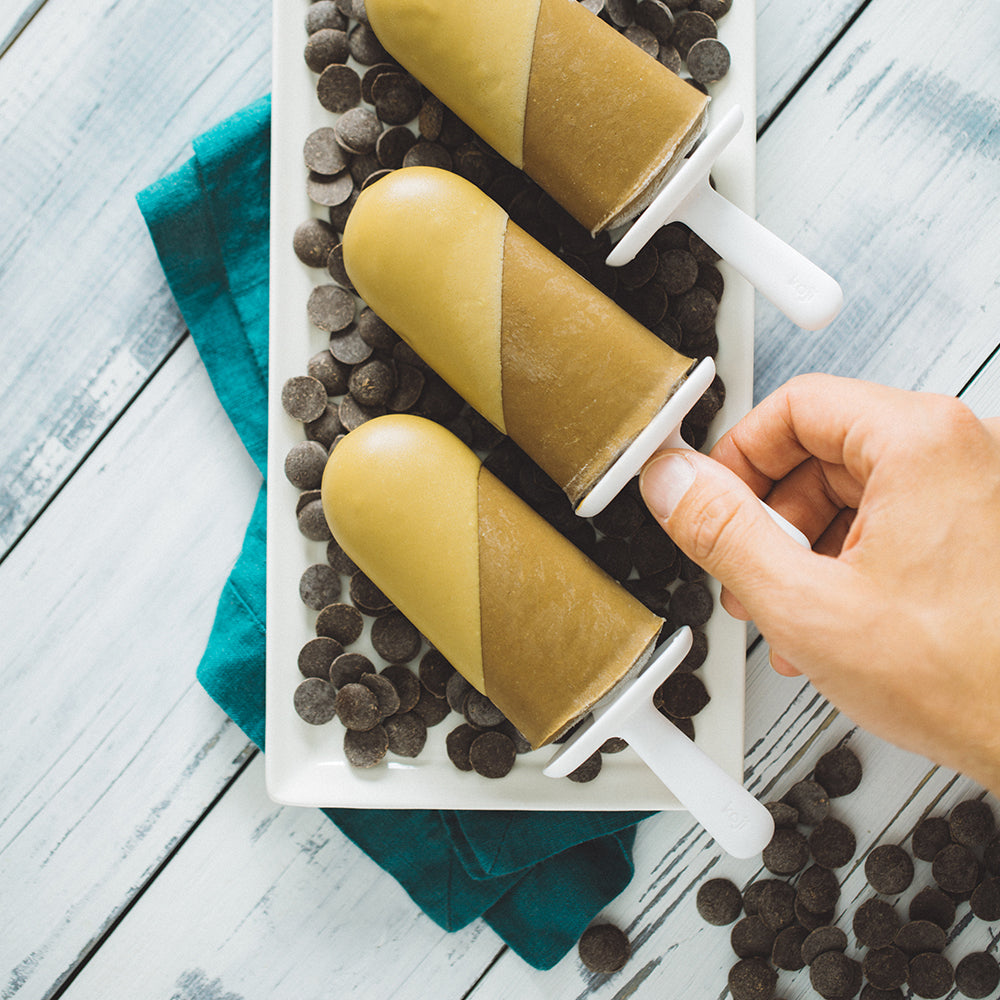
x,y
893,955
604,948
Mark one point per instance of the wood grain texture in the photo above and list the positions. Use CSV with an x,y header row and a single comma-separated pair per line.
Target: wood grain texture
x,y
111,749
98,100
883,169
304,914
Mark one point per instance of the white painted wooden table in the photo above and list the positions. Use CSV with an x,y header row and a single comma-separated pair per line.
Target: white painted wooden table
x,y
139,854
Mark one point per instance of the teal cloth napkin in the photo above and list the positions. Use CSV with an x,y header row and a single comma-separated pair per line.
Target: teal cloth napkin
x,y
537,878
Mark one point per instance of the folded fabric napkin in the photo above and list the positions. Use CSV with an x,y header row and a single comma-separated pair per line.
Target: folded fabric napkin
x,y
537,878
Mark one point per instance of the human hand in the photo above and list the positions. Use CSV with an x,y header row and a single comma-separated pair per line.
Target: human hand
x,y
895,613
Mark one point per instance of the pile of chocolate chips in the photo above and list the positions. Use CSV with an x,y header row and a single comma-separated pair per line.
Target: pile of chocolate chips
x,y
788,922
387,120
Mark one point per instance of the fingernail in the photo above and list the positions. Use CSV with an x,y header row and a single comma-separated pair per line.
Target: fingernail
x,y
664,482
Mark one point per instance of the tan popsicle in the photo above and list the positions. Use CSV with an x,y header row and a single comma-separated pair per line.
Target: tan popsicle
x,y
520,612
594,120
535,348
516,608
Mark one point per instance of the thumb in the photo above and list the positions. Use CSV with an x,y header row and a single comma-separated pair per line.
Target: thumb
x,y
717,521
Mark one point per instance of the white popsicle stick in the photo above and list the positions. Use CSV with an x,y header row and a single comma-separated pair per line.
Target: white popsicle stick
x,y
739,824
805,293
664,431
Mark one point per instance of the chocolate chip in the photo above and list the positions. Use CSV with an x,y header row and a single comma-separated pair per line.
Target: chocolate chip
x,y
787,852
783,814
365,46
621,518
643,39
612,555
698,652
357,706
977,975
695,310
708,60
889,869
821,940
303,398
985,901
691,604
930,836
326,428
811,800
319,586
752,979
641,268
366,597
371,383
338,88
703,253
312,241
651,550
492,754
315,701
456,690
869,992
752,894
614,744
919,936
934,905
366,748
322,154
304,464
604,948
710,277
955,869
648,305
930,975
357,129
971,823
832,843
340,622
817,889
312,520
834,976
751,937
777,905
330,307
349,348
339,213
395,638
392,145
787,951
812,920
480,711
325,47
316,656
432,710
588,770
714,8
458,743
406,734
397,98
435,673
875,923
991,855
409,385
683,696
885,967
384,691
838,771
691,27
329,191
670,57
718,902
406,684
427,154
324,14
333,375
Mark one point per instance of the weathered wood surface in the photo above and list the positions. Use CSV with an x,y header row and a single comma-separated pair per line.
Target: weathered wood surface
x,y
138,852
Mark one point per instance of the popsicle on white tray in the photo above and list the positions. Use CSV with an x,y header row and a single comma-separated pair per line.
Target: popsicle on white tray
x,y
594,120
513,329
518,610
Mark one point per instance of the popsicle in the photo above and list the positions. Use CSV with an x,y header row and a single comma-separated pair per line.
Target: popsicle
x,y
518,333
594,120
517,609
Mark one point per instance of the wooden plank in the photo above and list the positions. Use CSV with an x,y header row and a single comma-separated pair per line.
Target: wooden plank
x,y
883,170
13,19
111,749
791,37
273,901
98,100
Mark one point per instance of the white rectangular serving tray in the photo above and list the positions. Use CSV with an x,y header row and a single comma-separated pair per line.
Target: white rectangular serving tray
x,y
305,764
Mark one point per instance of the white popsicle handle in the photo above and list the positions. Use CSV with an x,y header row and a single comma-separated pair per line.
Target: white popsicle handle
x,y
738,823
805,293
734,818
